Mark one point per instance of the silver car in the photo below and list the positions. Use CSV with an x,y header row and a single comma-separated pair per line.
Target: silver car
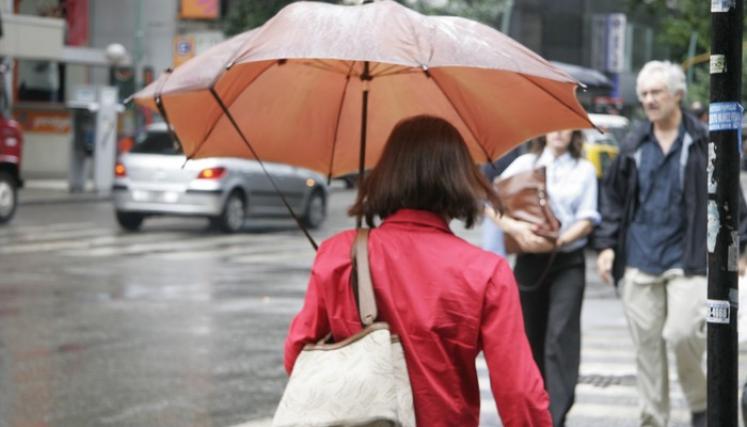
x,y
154,178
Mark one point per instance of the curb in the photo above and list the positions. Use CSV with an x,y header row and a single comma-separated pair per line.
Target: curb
x,y
56,191
50,192
62,199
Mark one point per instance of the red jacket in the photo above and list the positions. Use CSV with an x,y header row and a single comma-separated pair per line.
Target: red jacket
x,y
447,300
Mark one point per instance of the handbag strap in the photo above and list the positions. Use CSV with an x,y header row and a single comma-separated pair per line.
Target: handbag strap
x,y
363,285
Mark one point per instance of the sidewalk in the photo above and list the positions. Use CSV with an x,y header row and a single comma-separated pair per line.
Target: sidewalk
x,y
46,191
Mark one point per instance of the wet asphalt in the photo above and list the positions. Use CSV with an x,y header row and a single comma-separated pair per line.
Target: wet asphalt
x,y
176,325
180,325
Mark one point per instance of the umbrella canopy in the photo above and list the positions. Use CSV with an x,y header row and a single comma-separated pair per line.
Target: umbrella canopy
x,y
301,88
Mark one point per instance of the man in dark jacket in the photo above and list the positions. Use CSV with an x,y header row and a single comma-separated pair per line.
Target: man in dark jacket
x,y
652,241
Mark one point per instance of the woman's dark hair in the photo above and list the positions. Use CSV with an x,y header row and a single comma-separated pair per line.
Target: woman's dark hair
x,y
575,148
425,165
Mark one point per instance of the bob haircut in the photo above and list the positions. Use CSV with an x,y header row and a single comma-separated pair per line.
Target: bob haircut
x,y
425,165
672,75
575,148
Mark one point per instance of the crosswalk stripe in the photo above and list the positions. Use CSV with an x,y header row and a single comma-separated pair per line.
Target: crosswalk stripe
x,y
242,253
83,240
22,229
619,411
71,244
54,235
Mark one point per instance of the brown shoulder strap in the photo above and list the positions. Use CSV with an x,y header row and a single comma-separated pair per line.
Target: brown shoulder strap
x,y
366,299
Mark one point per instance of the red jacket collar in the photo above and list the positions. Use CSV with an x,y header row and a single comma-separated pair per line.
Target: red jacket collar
x,y
418,218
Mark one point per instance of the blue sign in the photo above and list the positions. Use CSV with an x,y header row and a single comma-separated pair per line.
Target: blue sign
x,y
725,116
184,47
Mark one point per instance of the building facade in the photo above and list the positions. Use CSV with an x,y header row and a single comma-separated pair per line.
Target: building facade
x,y
53,46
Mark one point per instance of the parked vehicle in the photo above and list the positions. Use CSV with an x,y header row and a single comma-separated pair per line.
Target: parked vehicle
x,y
154,178
11,145
601,148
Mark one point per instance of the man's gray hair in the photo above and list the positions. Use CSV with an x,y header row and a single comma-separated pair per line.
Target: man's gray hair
x,y
672,75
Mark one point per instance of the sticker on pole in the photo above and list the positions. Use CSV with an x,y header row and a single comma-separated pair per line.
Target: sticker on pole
x,y
721,5
718,64
725,116
718,311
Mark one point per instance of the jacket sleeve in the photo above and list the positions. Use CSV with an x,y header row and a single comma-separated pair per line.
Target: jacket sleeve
x,y
611,206
514,378
310,324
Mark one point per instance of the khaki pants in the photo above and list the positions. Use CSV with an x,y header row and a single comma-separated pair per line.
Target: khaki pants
x,y
666,308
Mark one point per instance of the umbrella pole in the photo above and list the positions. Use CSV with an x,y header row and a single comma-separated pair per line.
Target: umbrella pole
x,y
365,77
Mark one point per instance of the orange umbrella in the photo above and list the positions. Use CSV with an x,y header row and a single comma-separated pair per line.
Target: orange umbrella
x,y
321,86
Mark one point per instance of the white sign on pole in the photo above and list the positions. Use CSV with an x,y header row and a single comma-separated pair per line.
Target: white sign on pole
x,y
615,52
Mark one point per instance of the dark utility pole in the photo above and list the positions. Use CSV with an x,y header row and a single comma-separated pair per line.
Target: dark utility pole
x,y
725,124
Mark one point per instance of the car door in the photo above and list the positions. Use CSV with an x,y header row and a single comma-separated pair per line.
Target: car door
x,y
263,197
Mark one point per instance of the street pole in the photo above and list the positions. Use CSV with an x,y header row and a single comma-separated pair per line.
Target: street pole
x,y
725,124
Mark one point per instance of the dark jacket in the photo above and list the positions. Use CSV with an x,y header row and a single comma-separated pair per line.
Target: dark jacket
x,y
619,197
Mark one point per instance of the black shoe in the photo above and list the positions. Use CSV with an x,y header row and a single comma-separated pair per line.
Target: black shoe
x,y
699,419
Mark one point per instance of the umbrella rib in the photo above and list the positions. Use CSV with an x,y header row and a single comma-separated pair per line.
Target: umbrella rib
x,y
215,123
375,73
262,165
401,72
428,75
337,124
559,100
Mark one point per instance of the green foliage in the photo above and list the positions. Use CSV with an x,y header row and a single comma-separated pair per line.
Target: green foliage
x,y
679,20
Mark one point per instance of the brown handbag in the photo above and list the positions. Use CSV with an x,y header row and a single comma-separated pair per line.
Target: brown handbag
x,y
524,198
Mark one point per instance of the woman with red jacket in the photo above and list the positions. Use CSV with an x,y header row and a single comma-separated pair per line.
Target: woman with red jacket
x,y
446,299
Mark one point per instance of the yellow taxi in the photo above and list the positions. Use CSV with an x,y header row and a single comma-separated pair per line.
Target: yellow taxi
x,y
601,148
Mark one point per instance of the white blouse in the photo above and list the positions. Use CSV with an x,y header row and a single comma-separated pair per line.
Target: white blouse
x,y
571,187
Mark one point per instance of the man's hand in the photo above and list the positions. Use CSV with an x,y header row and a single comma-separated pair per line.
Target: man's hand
x,y
742,264
604,264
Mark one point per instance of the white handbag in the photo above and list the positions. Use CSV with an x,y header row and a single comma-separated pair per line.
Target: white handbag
x,y
360,381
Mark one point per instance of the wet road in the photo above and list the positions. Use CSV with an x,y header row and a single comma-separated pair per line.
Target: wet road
x,y
182,326
173,326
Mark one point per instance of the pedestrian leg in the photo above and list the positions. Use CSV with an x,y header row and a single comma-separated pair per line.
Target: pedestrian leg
x,y
563,340
685,333
533,304
644,301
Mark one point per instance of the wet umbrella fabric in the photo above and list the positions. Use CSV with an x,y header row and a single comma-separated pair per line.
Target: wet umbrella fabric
x,y
295,87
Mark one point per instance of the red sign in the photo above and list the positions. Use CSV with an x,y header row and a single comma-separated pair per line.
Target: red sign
x,y
43,121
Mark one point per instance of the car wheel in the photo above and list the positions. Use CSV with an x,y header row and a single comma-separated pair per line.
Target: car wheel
x,y
316,210
130,221
8,197
234,211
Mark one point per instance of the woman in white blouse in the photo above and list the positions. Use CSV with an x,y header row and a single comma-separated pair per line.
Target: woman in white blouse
x,y
552,308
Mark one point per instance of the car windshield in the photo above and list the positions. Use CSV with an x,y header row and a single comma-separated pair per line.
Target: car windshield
x,y
157,143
